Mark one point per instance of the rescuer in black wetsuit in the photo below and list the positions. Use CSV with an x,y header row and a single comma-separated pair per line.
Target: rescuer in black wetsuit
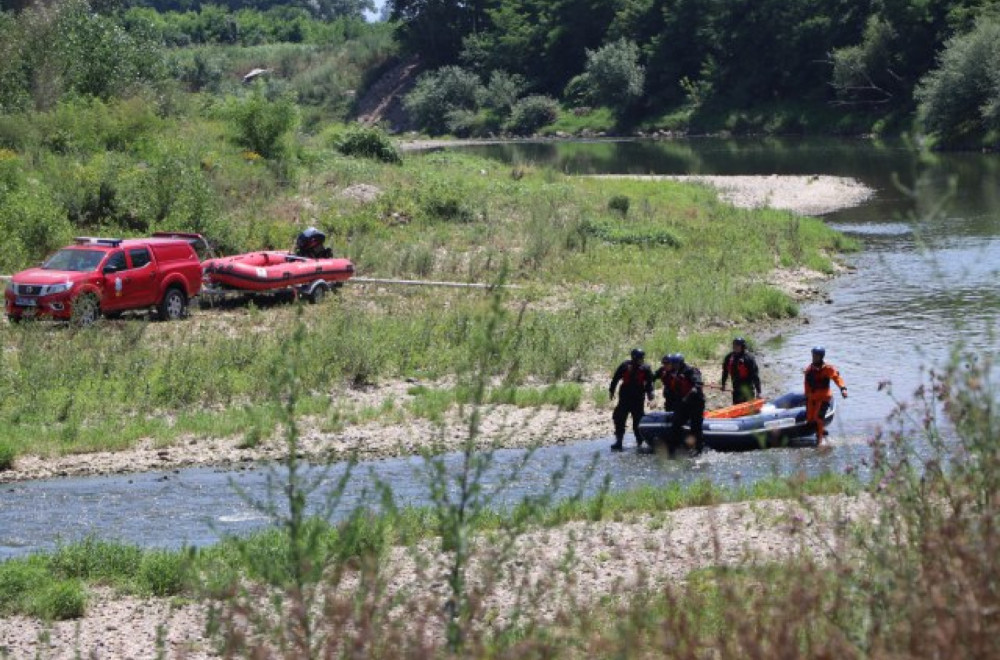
x,y
636,387
741,367
309,244
690,410
665,374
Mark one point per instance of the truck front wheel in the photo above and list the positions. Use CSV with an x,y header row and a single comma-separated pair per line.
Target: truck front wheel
x,y
86,310
173,307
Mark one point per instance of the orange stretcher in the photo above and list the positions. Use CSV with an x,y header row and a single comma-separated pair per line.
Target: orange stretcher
x,y
739,410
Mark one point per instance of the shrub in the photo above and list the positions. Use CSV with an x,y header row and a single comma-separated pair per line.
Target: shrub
x,y
7,455
502,91
631,235
264,126
613,75
18,579
437,93
368,143
60,601
532,113
619,203
161,573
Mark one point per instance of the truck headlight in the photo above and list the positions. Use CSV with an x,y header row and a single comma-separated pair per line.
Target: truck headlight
x,y
57,288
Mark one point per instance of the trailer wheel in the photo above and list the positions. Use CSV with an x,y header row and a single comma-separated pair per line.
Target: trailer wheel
x,y
317,294
173,307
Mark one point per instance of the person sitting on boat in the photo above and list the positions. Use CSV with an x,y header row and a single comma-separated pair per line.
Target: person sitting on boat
x,y
817,386
309,244
690,408
636,385
665,374
741,367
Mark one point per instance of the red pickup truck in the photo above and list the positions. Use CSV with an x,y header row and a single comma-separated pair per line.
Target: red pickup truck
x,y
109,276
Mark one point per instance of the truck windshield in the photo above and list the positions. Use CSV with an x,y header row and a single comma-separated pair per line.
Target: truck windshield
x,y
80,261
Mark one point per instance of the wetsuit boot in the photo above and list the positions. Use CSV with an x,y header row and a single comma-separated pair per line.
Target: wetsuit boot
x,y
618,443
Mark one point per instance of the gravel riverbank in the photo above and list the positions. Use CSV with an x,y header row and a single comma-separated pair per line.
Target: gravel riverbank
x,y
610,560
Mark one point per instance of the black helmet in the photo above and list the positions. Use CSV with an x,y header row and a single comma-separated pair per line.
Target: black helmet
x,y
638,354
740,341
309,239
677,358
819,350
665,358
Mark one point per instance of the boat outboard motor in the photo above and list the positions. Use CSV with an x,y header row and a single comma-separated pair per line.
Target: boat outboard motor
x,y
309,244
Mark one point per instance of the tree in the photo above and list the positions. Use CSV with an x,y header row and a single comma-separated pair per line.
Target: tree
x,y
613,75
863,74
960,99
434,29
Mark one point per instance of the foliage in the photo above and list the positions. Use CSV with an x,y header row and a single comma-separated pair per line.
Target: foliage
x,y
439,93
960,99
620,203
371,143
7,455
532,113
502,91
863,74
612,77
49,52
264,126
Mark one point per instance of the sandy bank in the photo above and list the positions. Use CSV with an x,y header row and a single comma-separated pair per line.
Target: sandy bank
x,y
804,195
610,559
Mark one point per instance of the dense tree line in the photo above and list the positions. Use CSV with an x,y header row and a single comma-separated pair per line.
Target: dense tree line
x,y
323,9
863,57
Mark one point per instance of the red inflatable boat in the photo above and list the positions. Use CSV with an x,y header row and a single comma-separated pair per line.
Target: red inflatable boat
x,y
265,271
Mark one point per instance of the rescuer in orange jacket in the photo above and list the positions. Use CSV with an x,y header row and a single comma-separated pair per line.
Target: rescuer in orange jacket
x,y
741,367
817,385
637,385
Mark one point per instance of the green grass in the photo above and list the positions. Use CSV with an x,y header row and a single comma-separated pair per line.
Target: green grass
x,y
596,120
592,279
51,585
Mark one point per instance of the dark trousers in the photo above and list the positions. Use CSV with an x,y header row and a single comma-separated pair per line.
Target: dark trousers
x,y
692,414
742,392
625,408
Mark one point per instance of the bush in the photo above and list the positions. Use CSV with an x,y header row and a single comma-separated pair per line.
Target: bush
x,y
960,100
619,203
368,143
60,601
502,91
264,126
438,93
532,113
613,75
7,455
632,235
161,573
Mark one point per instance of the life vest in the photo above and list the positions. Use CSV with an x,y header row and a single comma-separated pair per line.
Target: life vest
x,y
633,372
683,383
818,378
737,367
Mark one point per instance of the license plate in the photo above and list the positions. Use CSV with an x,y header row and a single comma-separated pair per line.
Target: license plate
x,y
26,302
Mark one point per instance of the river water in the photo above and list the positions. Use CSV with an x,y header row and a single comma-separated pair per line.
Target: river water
x,y
925,281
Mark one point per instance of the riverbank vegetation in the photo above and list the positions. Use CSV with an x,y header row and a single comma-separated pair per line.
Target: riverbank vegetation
x,y
904,568
813,66
53,585
586,265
